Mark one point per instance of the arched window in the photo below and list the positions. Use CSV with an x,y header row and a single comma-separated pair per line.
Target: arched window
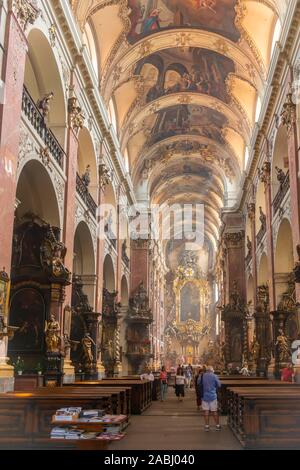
x,y
258,109
246,158
90,42
276,35
112,114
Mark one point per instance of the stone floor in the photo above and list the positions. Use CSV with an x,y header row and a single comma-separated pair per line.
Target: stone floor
x,y
173,425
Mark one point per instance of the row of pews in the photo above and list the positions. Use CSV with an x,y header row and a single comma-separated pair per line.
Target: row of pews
x,y
263,414
26,416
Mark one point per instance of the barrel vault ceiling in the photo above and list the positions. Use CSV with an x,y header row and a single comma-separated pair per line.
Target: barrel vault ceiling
x,y
184,78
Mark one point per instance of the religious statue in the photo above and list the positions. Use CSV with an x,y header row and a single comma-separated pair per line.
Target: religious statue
x,y
44,104
244,370
280,175
140,299
87,344
52,335
86,177
262,218
283,347
254,349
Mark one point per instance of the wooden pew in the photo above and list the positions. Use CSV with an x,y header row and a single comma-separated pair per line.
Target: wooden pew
x,y
141,394
155,384
25,418
247,382
265,417
123,394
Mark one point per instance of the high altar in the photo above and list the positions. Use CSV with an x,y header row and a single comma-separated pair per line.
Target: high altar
x,y
186,337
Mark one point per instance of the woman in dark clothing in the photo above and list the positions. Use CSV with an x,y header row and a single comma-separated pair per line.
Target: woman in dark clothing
x,y
197,386
179,384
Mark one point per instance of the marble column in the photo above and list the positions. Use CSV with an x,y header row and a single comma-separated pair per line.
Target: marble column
x,y
251,215
288,119
16,48
75,123
104,179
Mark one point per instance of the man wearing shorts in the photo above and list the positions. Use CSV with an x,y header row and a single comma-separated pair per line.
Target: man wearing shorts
x,y
210,385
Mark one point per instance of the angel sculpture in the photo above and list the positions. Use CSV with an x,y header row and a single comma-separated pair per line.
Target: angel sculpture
x,y
52,335
44,104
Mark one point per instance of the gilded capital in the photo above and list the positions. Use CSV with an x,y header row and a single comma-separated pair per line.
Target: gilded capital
x,y
76,116
234,239
264,173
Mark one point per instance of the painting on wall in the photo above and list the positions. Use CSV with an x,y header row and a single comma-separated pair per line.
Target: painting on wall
x,y
187,69
190,302
27,311
187,119
149,16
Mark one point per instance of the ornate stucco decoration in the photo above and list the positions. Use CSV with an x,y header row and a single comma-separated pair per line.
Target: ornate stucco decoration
x,y
264,173
251,210
26,12
76,115
234,239
104,175
288,114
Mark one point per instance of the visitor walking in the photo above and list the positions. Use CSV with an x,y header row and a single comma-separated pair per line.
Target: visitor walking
x,y
163,383
179,384
209,384
188,375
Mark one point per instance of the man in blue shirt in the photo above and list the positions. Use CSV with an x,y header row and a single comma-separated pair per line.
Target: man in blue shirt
x,y
210,384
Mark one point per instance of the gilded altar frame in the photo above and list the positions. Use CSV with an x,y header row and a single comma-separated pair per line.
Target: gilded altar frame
x,y
204,294
4,294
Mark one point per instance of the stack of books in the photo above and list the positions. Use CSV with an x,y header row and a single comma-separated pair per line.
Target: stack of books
x,y
67,414
58,433
110,437
92,413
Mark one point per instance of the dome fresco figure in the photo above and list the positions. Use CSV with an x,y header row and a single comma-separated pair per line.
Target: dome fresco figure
x,y
149,236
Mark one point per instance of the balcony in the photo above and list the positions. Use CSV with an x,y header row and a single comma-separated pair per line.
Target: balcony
x,y
260,235
248,258
37,121
283,189
83,192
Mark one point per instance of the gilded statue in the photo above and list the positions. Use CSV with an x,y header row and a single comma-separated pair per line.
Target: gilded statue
x,y
87,342
283,346
52,335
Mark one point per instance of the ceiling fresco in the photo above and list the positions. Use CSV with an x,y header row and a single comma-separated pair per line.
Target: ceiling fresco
x,y
187,119
187,69
150,16
184,78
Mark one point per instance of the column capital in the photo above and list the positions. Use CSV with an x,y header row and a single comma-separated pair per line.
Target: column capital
x,y
288,114
233,239
104,176
26,12
264,173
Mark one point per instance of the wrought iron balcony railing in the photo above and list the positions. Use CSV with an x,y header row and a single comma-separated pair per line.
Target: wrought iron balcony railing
x,y
83,192
260,235
37,120
283,189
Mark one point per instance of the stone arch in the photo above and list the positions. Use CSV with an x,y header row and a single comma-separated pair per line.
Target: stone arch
x,y
87,156
262,273
42,76
37,194
280,157
84,264
283,258
109,280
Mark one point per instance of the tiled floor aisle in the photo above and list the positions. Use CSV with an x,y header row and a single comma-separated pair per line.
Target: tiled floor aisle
x,y
174,426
